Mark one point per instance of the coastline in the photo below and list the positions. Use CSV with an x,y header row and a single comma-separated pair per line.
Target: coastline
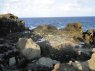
x,y
45,47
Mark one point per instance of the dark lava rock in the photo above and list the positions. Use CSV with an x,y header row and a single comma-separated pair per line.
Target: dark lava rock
x,y
10,24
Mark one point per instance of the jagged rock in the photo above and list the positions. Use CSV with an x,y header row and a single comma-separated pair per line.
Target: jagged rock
x,y
44,61
74,27
89,36
10,24
74,30
28,48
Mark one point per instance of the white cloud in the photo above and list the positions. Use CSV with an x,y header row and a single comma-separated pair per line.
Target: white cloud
x,y
42,8
13,0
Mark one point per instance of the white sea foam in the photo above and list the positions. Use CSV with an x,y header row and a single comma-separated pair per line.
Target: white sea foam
x,y
31,27
41,40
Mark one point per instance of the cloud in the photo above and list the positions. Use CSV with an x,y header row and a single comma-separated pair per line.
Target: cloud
x,y
48,8
13,0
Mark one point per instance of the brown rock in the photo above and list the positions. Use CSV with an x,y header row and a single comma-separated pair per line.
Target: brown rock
x,y
88,36
57,67
74,30
91,62
74,27
45,29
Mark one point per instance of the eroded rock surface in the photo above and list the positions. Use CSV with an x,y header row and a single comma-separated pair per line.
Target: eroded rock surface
x,y
10,24
28,48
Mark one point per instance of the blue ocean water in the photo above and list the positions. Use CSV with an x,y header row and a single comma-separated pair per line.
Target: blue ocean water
x,y
60,22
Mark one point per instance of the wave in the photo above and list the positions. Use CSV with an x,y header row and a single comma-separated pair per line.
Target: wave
x,y
32,27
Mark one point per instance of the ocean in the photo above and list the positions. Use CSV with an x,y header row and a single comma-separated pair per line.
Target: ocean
x,y
60,22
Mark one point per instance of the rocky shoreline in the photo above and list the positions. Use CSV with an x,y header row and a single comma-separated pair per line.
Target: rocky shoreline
x,y
45,48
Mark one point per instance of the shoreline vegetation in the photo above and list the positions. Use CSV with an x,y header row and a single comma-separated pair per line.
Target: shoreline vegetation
x,y
45,48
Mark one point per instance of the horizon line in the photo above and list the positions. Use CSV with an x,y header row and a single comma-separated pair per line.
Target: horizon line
x,y
57,17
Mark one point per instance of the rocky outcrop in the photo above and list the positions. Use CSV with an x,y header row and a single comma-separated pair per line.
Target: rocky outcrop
x,y
89,36
94,37
74,30
74,27
59,44
44,30
28,48
57,37
10,24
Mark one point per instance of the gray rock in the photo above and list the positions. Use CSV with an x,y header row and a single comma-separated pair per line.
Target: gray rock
x,y
47,62
12,61
28,48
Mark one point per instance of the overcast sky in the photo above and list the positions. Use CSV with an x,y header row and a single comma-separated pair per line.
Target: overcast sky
x,y
48,8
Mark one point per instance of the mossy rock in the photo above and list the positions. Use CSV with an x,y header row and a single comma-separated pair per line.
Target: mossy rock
x,y
74,30
74,27
45,30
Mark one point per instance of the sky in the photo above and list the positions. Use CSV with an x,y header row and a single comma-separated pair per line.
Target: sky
x,y
48,8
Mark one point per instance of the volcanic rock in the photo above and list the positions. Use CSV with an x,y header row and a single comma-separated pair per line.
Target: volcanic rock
x,y
47,62
74,30
89,36
10,24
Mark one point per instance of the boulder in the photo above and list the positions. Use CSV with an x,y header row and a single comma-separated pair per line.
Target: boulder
x,y
88,65
91,62
12,61
47,62
10,24
28,48
57,67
